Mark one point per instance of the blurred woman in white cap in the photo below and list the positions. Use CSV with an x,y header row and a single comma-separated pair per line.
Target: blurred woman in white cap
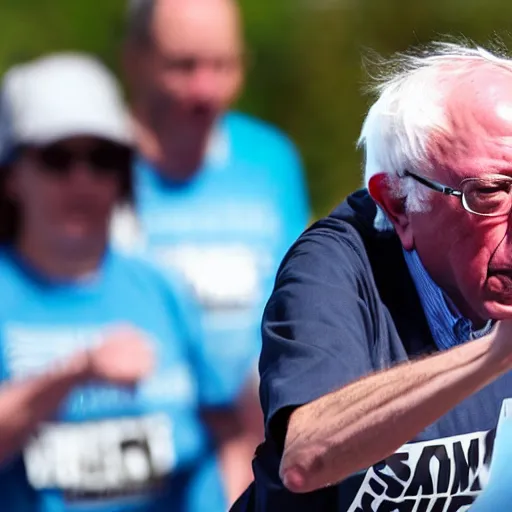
x,y
100,358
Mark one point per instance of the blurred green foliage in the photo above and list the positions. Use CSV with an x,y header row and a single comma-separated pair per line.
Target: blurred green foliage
x,y
305,71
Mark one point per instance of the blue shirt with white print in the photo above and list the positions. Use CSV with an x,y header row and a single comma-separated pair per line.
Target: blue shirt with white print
x,y
109,448
226,231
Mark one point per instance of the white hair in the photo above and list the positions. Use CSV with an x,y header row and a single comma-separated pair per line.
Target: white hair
x,y
411,108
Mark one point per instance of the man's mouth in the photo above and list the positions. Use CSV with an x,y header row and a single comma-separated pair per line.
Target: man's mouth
x,y
499,282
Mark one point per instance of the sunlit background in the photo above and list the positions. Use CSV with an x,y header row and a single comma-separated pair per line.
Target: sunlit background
x,y
305,71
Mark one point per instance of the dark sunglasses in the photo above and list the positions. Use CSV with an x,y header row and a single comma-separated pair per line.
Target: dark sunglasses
x,y
104,159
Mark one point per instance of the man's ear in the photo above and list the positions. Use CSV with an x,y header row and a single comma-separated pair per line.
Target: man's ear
x,y
394,208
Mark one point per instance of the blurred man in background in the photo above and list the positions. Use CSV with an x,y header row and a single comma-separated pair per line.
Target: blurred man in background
x,y
218,195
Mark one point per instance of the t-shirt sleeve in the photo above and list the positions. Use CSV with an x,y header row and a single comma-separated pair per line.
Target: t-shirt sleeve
x,y
317,328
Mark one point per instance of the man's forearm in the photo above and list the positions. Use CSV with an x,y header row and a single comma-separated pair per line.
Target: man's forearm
x,y
364,422
24,404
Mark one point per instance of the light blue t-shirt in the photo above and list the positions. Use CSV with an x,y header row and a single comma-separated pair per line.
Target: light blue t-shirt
x,y
226,231
109,448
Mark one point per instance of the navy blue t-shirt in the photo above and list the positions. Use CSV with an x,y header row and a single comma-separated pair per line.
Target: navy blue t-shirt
x,y
344,305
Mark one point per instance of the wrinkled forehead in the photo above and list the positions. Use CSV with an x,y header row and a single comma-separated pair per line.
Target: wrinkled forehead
x,y
477,138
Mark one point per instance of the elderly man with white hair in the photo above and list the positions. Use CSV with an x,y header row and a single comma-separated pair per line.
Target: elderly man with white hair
x,y
387,342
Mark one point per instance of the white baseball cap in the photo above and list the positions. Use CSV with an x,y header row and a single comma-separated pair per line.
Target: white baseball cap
x,y
57,97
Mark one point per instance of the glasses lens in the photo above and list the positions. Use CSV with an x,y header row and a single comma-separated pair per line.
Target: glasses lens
x,y
55,159
104,159
108,159
488,196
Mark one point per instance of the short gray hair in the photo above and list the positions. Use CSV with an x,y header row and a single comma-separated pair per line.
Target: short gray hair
x,y
139,21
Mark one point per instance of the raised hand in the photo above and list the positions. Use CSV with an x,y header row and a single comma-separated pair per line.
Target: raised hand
x,y
124,357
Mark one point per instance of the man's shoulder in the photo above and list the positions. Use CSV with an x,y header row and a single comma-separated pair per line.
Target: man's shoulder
x,y
257,131
357,210
351,226
147,279
375,258
337,252
347,251
137,276
140,267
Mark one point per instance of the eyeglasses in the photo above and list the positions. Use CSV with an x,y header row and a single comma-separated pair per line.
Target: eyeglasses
x,y
489,196
103,160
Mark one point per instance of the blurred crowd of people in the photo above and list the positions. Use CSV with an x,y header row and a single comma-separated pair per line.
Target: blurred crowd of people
x,y
139,245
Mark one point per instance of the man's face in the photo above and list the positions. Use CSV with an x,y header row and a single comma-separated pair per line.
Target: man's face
x,y
470,256
192,69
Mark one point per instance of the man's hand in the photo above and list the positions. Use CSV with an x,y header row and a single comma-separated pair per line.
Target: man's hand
x,y
501,348
124,358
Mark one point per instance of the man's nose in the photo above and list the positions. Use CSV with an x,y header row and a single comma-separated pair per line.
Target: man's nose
x,y
204,85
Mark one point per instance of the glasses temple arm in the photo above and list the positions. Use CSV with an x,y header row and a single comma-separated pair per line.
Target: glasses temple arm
x,y
434,185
